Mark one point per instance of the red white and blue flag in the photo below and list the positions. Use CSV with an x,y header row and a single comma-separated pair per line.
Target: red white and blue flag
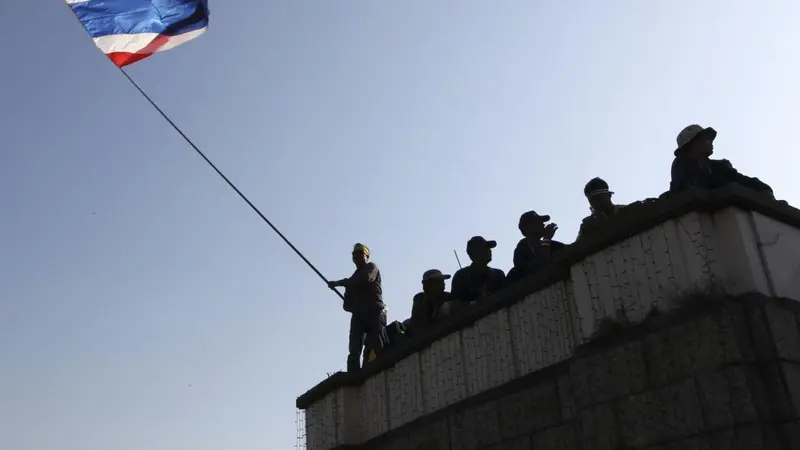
x,y
131,30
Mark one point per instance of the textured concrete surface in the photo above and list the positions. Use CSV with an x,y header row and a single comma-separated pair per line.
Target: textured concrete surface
x,y
726,377
779,244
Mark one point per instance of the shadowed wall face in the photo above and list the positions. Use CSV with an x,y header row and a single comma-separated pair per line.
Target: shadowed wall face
x,y
725,376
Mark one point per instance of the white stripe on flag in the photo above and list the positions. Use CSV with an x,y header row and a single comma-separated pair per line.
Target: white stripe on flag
x,y
72,2
134,43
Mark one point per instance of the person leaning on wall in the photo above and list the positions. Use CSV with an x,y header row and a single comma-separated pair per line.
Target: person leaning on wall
x,y
694,168
598,194
432,304
536,249
477,280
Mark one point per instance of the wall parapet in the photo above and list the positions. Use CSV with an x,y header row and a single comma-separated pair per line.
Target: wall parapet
x,y
661,248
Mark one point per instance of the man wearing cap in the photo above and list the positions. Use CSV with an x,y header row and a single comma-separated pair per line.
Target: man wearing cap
x,y
600,204
432,304
477,280
535,251
693,168
364,300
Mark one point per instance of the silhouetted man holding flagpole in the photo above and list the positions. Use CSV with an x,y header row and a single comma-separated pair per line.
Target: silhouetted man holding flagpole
x,y
363,298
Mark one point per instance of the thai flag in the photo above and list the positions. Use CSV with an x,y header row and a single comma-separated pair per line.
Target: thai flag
x,y
131,30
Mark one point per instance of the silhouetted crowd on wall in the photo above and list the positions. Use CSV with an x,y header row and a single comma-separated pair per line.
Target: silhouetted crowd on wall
x,y
363,297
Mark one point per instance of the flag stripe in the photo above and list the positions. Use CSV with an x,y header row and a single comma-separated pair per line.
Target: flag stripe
x,y
136,43
118,17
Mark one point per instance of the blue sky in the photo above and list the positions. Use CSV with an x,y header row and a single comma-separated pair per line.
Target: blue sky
x,y
144,306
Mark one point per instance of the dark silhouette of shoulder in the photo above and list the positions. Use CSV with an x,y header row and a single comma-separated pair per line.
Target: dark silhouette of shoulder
x,y
473,282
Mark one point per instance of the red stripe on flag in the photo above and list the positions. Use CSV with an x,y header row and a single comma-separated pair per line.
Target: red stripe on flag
x,y
122,59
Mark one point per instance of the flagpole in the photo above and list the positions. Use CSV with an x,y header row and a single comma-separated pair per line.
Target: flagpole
x,y
228,181
457,260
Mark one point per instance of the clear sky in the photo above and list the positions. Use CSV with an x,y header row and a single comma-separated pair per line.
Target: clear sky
x,y
143,305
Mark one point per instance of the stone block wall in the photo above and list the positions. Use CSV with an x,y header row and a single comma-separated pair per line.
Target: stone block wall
x,y
726,243
723,376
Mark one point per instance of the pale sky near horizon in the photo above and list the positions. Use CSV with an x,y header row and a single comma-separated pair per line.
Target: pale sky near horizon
x,y
144,306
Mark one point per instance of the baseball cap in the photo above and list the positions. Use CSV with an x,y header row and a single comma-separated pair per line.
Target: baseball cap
x,y
475,241
532,216
434,274
596,186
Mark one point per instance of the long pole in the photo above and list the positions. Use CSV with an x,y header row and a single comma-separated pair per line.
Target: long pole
x,y
230,183
457,260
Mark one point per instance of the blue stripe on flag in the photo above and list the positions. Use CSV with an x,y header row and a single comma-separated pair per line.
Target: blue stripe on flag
x,y
167,17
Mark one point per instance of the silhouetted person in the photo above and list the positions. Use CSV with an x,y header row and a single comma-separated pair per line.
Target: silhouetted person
x,y
477,280
363,298
432,304
599,196
693,167
535,251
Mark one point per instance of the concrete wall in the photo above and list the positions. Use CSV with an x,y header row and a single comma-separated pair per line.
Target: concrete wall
x,y
696,252
730,251
727,377
779,245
